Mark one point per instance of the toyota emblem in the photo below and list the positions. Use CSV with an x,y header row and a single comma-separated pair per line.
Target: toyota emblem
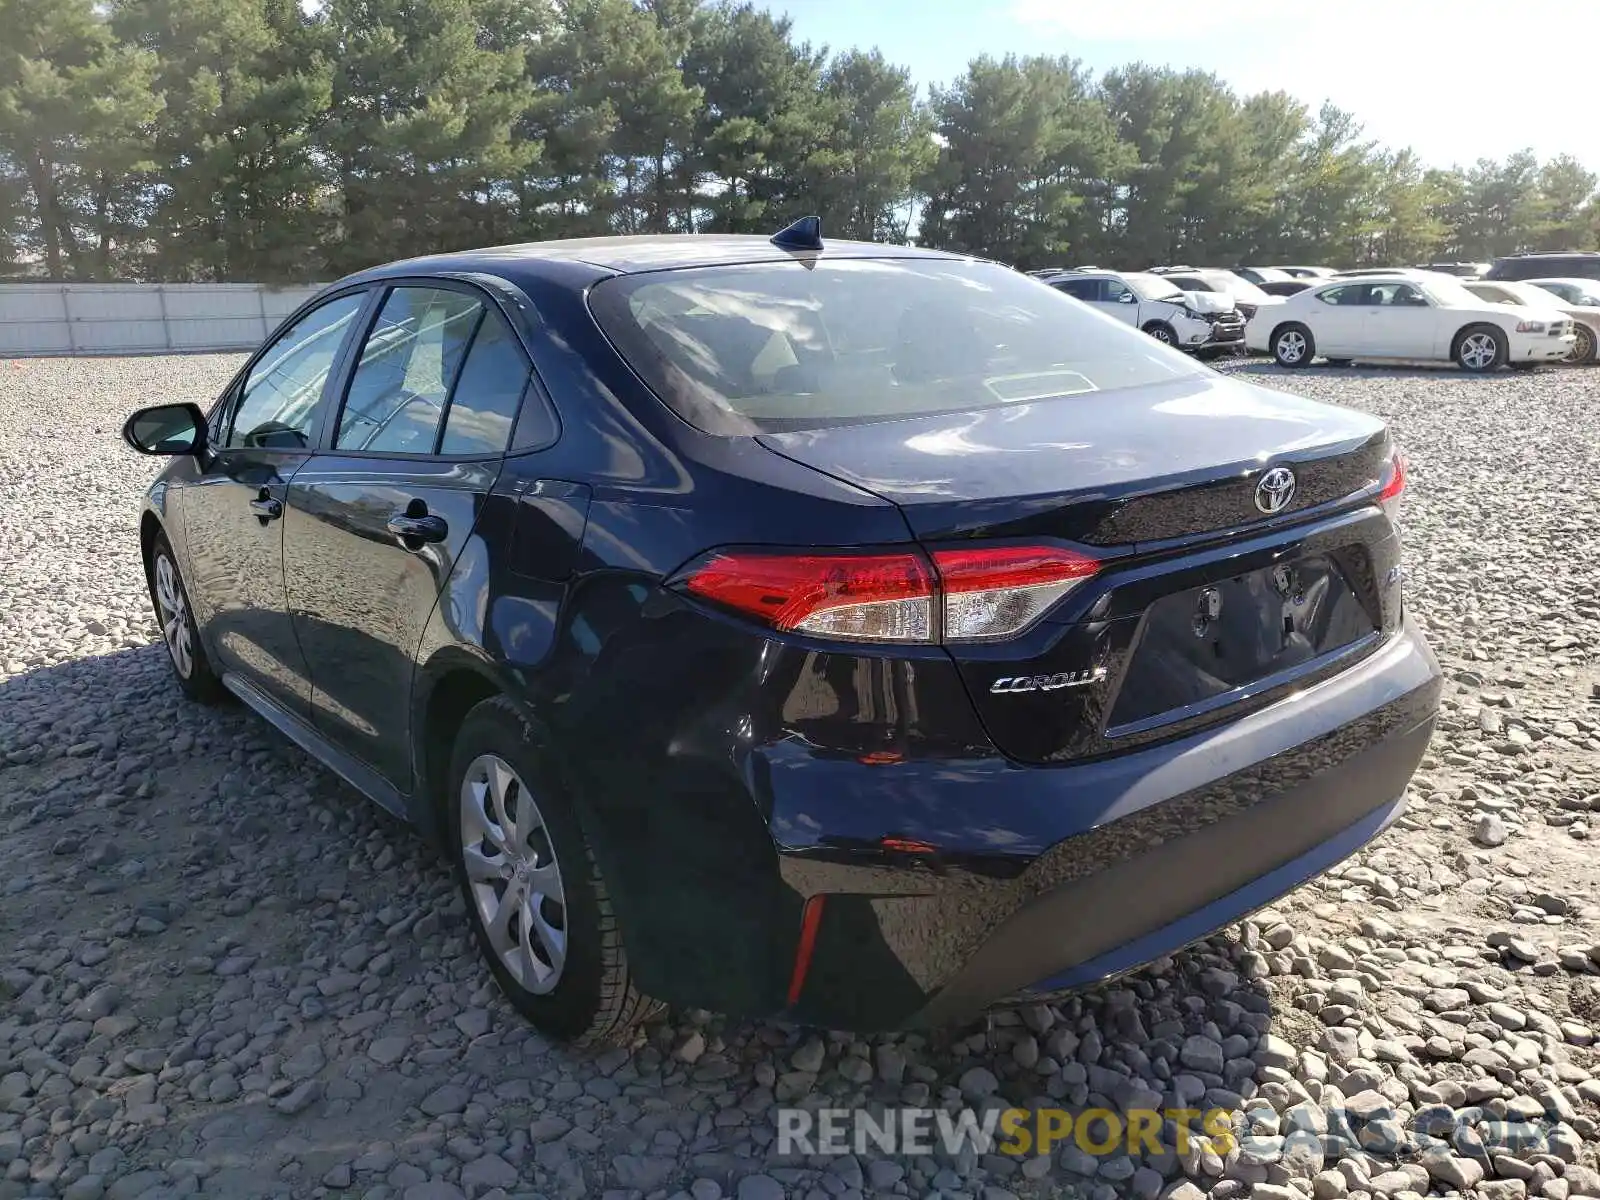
x,y
1274,490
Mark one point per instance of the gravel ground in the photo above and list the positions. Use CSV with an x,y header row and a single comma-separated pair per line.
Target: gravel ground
x,y
223,973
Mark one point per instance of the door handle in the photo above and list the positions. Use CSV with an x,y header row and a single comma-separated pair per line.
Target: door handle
x,y
266,507
426,528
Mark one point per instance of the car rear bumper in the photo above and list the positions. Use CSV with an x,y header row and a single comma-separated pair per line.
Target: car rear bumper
x,y
1075,873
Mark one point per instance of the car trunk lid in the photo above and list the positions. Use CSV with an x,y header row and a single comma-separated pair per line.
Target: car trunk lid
x,y
1111,469
1204,607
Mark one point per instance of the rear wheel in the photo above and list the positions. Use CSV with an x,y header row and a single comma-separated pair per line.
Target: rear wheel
x,y
1162,332
179,633
538,905
1584,348
1293,346
1480,348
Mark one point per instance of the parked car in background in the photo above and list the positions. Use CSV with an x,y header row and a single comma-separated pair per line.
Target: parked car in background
x,y
1573,291
1585,317
1247,297
1579,264
1305,272
1462,270
1370,272
1286,287
853,632
1159,307
1262,274
1415,315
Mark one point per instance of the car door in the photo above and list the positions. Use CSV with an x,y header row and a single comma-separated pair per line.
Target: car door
x,y
1118,299
1401,322
232,511
379,516
1334,316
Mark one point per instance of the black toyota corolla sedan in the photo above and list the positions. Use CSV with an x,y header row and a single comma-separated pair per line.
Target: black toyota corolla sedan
x,y
854,632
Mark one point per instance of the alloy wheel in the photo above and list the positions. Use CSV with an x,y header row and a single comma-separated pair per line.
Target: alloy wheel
x,y
1583,348
1478,351
174,616
1291,347
1161,335
512,872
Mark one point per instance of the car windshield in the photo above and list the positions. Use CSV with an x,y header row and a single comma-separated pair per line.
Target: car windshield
x,y
769,347
1273,274
1153,287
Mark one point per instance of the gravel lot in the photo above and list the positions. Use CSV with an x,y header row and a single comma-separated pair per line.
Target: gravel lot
x,y
223,973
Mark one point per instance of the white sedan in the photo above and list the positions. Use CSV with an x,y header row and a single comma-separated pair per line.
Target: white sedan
x,y
1412,316
1583,308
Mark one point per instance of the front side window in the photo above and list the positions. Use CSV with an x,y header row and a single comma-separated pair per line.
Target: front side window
x,y
408,365
776,346
282,394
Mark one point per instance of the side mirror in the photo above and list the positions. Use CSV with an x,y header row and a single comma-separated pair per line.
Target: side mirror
x,y
166,429
1126,298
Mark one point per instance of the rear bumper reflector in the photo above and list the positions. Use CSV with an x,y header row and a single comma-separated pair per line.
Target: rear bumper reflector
x,y
810,919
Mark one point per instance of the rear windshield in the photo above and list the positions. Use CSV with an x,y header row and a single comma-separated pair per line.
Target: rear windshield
x,y
770,347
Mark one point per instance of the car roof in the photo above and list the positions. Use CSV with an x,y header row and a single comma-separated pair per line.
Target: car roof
x,y
1384,277
630,254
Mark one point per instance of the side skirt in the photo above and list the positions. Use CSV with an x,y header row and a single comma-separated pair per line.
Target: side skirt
x,y
349,768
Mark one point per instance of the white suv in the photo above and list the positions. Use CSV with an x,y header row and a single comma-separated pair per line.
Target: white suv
x,y
1190,321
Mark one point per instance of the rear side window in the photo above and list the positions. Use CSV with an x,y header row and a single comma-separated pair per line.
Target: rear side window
x,y
1349,294
484,405
782,345
282,394
408,365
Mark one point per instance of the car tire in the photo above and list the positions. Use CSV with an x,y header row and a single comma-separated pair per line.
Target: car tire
x,y
1480,348
1162,332
558,954
1587,347
1293,346
186,654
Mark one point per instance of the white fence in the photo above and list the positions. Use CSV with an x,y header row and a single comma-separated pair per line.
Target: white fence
x,y
140,318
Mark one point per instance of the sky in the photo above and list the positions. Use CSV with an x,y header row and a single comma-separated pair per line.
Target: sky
x,y
1456,80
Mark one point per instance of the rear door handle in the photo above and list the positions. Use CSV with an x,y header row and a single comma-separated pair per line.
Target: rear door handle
x,y
427,528
267,508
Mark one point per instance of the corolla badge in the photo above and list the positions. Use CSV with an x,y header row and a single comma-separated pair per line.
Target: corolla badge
x,y
1047,683
1274,490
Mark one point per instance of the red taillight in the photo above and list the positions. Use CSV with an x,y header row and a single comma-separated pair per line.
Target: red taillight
x,y
964,595
863,597
1394,488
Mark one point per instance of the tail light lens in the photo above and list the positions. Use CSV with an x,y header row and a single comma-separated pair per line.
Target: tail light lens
x,y
859,597
965,595
1394,488
998,592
